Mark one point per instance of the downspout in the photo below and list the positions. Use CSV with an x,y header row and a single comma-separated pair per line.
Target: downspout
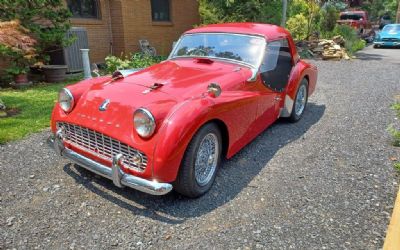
x,y
110,28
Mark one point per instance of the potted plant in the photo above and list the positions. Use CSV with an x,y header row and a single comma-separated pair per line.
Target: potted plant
x,y
19,73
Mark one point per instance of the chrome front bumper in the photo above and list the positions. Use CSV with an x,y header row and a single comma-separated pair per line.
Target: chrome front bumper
x,y
115,173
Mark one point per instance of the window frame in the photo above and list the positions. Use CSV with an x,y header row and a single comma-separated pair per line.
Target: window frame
x,y
161,22
98,11
283,42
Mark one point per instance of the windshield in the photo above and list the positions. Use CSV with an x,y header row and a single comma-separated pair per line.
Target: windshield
x,y
242,48
392,29
350,17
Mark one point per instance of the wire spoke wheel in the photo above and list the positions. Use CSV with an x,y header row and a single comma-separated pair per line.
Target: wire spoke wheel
x,y
301,99
206,159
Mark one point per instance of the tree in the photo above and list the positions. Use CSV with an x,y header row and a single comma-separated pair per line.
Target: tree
x,y
48,20
219,11
284,11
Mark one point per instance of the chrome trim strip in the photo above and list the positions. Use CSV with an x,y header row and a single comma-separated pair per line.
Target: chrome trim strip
x,y
114,173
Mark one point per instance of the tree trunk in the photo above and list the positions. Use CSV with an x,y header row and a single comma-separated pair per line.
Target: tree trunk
x,y
284,7
398,13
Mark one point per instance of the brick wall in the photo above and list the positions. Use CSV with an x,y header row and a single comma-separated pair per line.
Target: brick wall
x,y
124,22
138,24
98,30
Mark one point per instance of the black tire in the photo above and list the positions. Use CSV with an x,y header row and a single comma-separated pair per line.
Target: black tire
x,y
186,182
376,46
293,116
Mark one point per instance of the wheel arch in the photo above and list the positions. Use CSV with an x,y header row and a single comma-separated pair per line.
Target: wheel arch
x,y
224,134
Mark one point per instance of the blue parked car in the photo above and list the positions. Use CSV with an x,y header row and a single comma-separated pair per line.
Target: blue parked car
x,y
389,36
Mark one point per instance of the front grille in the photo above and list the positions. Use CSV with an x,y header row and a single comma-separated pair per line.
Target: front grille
x,y
390,39
101,145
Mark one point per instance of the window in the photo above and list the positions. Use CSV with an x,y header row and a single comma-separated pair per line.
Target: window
x,y
277,65
160,10
84,8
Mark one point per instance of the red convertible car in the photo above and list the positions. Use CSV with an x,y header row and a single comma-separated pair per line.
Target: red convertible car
x,y
168,126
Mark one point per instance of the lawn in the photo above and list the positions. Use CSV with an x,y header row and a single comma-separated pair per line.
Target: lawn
x,y
34,104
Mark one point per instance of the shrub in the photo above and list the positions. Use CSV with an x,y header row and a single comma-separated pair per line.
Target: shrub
x,y
137,60
328,15
47,20
297,25
17,46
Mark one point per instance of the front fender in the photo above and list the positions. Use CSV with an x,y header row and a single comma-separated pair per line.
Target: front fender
x,y
175,135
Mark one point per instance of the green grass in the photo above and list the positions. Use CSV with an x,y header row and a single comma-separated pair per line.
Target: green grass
x,y
397,166
395,133
35,105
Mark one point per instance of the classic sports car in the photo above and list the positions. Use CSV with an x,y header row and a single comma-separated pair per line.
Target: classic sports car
x,y
168,126
389,36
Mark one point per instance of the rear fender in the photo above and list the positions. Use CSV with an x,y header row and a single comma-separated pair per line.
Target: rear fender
x,y
300,71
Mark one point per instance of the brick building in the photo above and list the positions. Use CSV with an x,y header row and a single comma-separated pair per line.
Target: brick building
x,y
115,26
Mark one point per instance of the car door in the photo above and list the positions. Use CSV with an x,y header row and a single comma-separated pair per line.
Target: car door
x,y
274,76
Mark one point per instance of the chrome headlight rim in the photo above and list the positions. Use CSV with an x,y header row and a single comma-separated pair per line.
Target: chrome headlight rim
x,y
71,101
151,120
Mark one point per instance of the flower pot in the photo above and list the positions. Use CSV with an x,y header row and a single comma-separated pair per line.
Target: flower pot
x,y
55,73
21,78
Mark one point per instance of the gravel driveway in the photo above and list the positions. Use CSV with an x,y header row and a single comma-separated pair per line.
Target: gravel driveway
x,y
326,182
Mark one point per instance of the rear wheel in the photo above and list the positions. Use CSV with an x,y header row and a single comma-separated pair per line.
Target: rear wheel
x,y
200,162
300,101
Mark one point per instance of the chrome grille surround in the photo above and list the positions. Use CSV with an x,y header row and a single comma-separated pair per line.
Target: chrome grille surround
x,y
101,145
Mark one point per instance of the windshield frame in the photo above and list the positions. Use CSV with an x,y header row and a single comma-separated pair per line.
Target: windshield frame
x,y
256,66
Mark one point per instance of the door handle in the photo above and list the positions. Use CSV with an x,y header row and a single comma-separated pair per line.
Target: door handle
x,y
277,98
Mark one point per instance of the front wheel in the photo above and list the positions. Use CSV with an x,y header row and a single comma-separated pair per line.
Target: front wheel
x,y
300,101
200,162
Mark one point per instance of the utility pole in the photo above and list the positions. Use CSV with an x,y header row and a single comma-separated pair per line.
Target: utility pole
x,y
284,7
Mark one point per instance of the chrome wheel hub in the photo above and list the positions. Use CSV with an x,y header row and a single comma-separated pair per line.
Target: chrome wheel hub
x,y
206,159
301,100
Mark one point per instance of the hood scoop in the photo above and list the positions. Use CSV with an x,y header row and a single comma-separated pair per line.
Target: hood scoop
x,y
155,86
204,60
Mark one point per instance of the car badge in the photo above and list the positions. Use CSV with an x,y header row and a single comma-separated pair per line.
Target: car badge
x,y
103,106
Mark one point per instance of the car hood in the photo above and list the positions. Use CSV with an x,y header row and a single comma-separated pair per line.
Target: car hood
x,y
176,81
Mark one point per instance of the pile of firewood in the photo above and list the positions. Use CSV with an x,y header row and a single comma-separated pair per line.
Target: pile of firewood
x,y
326,49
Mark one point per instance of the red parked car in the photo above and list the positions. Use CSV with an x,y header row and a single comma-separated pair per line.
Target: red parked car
x,y
358,19
168,126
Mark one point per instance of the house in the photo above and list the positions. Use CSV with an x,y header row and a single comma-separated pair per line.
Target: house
x,y
116,26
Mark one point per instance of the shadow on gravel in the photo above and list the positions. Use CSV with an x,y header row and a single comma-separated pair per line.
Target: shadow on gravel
x,y
234,176
369,57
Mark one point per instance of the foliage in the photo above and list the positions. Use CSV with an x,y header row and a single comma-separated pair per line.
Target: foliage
x,y
376,8
397,166
309,9
48,20
137,60
393,131
35,105
329,15
16,45
297,25
220,11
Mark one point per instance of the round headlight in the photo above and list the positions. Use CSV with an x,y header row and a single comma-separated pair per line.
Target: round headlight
x,y
144,122
66,100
